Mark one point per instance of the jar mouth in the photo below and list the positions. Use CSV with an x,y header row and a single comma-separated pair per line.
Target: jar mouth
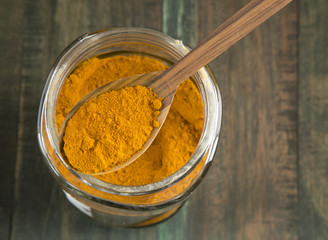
x,y
204,80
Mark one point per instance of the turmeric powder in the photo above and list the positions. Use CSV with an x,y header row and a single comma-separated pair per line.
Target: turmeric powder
x,y
108,129
98,71
180,132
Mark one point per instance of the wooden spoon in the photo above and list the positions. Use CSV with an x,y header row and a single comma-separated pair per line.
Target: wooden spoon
x,y
166,82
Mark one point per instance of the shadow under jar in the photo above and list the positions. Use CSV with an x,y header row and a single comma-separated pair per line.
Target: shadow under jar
x,y
118,205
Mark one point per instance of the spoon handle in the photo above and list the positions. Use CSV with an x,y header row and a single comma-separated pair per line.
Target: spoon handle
x,y
222,38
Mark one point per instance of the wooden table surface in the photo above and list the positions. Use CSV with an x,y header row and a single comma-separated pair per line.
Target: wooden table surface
x,y
269,179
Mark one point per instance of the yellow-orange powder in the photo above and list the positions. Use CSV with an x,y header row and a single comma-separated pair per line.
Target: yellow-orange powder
x,y
109,129
179,135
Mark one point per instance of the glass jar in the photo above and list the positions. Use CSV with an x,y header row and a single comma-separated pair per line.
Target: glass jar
x,y
128,206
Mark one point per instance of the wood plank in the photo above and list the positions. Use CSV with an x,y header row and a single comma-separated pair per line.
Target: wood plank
x,y
34,186
104,14
251,190
9,109
313,124
180,20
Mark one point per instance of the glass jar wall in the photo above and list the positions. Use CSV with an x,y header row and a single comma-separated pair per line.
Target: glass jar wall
x,y
120,205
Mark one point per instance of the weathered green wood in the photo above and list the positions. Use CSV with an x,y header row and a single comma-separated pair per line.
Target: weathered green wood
x,y
251,191
313,119
180,20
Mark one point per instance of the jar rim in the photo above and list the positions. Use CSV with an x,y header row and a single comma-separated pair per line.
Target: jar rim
x,y
212,113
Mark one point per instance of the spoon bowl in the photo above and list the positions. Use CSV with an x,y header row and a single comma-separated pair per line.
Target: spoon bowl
x,y
149,80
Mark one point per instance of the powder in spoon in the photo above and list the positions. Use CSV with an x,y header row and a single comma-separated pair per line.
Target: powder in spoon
x,y
108,129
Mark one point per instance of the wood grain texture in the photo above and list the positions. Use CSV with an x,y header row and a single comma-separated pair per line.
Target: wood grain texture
x,y
34,189
9,110
274,132
313,120
218,41
179,20
252,188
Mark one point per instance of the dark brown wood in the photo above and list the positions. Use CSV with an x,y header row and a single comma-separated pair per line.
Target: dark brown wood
x,y
9,110
313,120
274,131
34,189
251,191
